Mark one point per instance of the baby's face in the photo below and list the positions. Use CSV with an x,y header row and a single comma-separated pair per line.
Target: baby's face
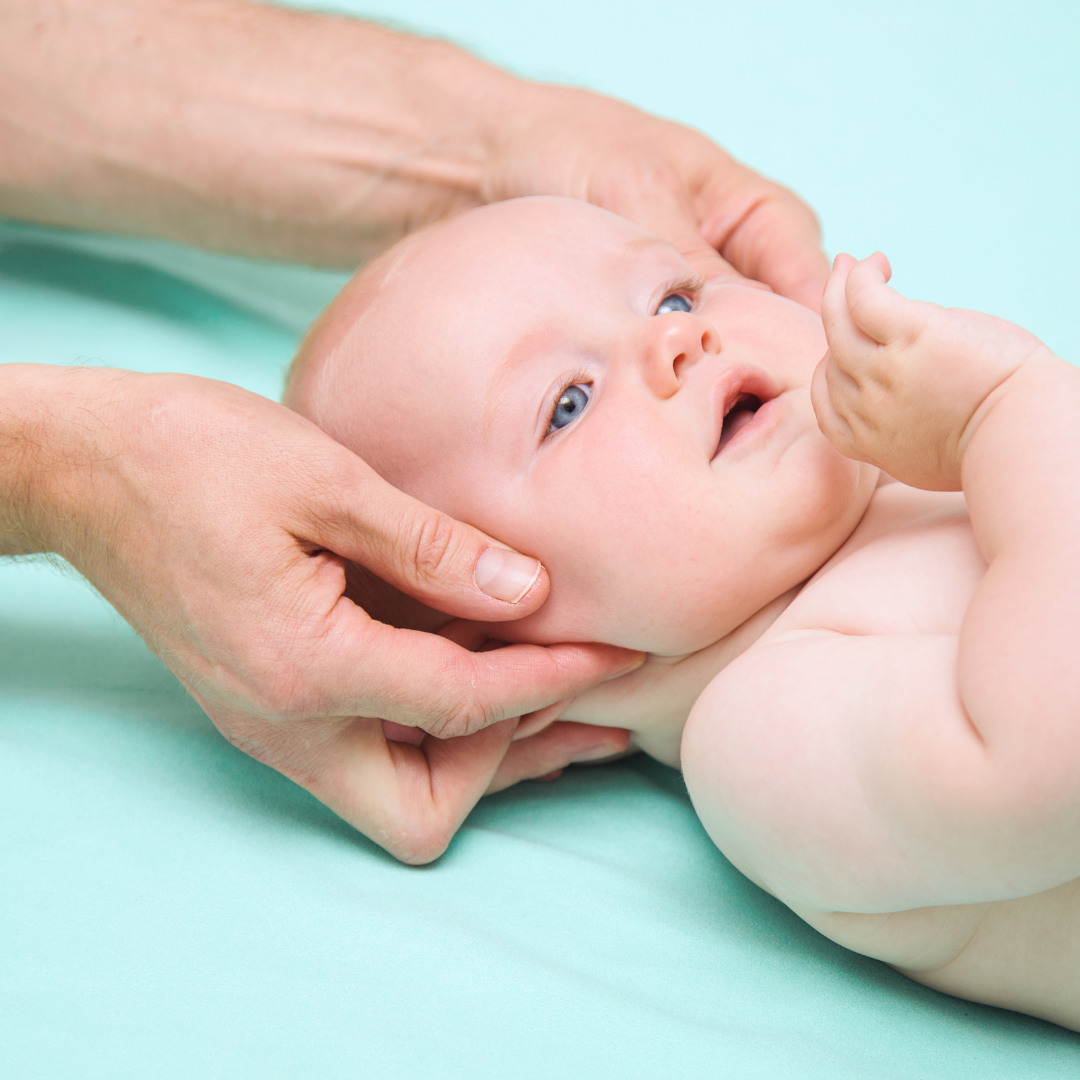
x,y
557,377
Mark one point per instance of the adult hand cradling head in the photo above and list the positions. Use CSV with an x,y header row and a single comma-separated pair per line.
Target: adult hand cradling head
x,y
218,522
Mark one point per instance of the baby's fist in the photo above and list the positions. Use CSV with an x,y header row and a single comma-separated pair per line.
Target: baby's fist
x,y
903,380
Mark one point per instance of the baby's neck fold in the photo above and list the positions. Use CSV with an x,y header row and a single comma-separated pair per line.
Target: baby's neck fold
x,y
654,701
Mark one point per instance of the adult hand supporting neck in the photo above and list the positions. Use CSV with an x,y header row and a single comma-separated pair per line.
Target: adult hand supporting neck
x,y
218,524
216,521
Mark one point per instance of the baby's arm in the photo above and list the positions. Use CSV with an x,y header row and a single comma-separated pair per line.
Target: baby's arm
x,y
850,771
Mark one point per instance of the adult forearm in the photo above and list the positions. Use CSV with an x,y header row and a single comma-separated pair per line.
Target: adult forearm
x,y
57,425
240,127
27,458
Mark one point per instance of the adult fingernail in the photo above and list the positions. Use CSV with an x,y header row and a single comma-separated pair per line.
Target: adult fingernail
x,y
505,575
631,665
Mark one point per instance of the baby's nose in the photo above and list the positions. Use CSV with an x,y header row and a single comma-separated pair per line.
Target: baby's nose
x,y
681,342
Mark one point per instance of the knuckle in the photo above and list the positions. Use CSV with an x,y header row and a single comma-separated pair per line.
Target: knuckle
x,y
569,673
640,179
832,318
418,833
460,716
861,301
432,546
459,708
423,844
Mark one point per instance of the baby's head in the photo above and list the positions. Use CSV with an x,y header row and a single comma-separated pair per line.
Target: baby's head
x,y
557,377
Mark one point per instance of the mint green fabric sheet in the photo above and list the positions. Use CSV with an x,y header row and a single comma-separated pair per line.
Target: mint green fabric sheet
x,y
169,908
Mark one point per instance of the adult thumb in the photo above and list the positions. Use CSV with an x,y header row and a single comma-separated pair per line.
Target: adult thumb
x,y
427,554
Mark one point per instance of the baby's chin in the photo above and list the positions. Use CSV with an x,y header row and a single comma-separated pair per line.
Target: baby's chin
x,y
554,625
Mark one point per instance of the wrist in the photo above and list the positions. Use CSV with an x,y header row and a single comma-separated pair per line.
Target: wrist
x,y
1020,459
58,426
1029,382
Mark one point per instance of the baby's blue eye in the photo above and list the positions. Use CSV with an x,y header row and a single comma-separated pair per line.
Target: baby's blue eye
x,y
674,302
570,406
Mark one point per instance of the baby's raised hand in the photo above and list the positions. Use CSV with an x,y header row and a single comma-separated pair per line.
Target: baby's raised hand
x,y
904,383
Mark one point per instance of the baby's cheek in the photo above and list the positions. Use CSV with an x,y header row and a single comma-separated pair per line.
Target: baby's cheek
x,y
622,532
615,590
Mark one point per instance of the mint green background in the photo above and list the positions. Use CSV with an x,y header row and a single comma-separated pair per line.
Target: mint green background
x,y
170,908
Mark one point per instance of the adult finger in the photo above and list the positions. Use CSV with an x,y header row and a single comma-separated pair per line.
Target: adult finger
x,y
437,560
421,680
563,743
409,799
412,797
767,233
665,210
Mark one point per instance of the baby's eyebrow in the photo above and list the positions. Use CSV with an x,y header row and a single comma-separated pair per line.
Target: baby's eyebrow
x,y
524,349
649,241
639,245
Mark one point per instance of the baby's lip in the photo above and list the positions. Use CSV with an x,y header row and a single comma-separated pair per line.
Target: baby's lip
x,y
736,383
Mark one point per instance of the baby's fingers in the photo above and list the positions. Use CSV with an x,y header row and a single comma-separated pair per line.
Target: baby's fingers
x,y
879,312
551,750
830,392
839,326
849,290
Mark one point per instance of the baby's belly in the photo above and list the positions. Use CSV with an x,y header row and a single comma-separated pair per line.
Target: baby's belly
x,y
1021,954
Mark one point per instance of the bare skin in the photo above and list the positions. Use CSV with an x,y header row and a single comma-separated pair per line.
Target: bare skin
x,y
269,567
315,138
869,684
925,675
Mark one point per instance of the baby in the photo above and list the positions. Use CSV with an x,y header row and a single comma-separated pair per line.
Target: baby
x,y
857,577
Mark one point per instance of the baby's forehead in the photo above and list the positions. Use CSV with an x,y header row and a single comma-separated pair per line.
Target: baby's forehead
x,y
504,243
434,318
491,276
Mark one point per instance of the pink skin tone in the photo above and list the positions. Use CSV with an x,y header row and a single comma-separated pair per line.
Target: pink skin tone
x,y
871,692
653,540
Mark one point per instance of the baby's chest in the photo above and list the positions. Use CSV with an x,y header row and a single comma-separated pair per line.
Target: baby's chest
x,y
910,568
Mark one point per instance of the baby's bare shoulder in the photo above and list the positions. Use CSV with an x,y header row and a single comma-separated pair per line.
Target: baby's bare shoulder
x,y
911,566
803,753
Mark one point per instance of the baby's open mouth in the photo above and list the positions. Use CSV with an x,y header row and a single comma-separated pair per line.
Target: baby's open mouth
x,y
737,417
741,399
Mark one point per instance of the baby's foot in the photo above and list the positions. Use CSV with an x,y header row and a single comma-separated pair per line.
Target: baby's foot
x,y
905,383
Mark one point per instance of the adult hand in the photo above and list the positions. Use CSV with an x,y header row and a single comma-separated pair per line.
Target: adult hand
x,y
667,178
288,134
315,138
219,524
